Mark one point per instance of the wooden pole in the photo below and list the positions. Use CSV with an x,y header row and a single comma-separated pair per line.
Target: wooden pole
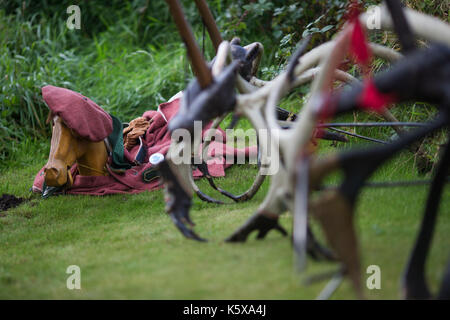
x,y
198,63
210,23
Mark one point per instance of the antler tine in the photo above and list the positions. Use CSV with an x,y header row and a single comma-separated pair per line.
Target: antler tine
x,y
294,61
210,23
401,25
198,63
223,54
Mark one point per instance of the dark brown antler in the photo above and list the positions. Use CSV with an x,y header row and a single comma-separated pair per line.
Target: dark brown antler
x,y
401,25
413,281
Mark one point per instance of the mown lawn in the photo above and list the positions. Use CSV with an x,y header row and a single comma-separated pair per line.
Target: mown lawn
x,y
127,247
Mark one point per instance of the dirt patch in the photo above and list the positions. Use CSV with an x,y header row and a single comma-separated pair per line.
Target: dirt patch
x,y
8,201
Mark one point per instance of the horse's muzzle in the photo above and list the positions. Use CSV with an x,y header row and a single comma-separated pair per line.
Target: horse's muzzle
x,y
55,177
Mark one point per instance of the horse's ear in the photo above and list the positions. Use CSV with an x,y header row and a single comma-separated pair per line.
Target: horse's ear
x,y
49,117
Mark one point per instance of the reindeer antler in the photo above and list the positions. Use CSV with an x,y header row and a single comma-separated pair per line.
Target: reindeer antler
x,y
401,25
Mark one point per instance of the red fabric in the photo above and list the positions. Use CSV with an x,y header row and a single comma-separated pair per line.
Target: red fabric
x,y
372,99
78,112
157,139
359,46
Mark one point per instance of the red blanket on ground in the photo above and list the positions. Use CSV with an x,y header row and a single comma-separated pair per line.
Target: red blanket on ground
x,y
157,139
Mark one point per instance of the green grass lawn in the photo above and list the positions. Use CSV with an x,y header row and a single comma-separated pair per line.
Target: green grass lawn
x,y
127,247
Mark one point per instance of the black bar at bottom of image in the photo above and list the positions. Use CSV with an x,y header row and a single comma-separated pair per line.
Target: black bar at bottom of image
x,y
212,309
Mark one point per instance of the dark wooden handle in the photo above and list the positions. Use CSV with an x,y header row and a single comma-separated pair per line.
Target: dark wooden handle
x,y
198,63
210,23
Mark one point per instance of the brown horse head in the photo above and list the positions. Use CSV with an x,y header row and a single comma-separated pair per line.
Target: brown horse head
x,y
67,148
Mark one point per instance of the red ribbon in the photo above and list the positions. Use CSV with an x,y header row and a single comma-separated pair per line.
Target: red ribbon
x,y
372,99
359,46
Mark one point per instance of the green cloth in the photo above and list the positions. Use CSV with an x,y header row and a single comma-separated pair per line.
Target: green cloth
x,y
116,141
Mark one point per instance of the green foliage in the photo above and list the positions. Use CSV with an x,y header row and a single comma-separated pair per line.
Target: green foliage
x,y
279,25
439,8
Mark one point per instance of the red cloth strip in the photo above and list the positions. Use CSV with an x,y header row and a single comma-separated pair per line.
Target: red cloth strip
x,y
359,47
372,99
